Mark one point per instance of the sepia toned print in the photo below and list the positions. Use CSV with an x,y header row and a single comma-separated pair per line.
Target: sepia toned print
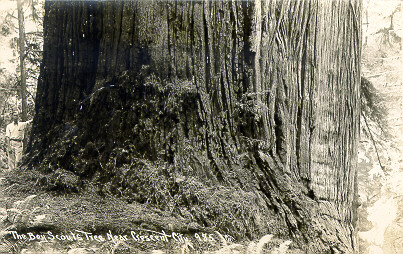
x,y
203,126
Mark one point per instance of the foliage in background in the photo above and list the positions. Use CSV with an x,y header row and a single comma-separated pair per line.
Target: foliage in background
x,y
9,72
380,163
373,110
10,92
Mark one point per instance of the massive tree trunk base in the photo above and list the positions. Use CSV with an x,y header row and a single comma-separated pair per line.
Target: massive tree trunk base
x,y
241,116
121,141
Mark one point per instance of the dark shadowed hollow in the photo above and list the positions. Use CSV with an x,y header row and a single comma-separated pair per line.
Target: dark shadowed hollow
x,y
241,116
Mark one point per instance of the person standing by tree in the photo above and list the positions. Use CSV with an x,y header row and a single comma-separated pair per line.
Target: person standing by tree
x,y
14,138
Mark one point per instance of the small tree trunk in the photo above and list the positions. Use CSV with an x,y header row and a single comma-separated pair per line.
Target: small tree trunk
x,y
21,28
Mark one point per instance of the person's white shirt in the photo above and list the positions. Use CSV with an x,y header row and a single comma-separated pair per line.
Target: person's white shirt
x,y
16,131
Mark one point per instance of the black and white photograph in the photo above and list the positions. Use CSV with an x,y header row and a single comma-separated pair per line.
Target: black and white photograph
x,y
201,126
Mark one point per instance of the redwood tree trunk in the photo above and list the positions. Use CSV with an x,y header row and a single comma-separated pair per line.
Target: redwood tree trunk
x,y
256,100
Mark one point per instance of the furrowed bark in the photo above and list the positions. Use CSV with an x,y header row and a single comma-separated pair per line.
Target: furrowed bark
x,y
252,97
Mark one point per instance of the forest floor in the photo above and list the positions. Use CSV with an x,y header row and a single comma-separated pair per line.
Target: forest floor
x,y
33,220
38,221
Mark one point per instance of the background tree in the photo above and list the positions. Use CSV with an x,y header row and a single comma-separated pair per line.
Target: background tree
x,y
32,15
21,45
11,61
380,154
241,116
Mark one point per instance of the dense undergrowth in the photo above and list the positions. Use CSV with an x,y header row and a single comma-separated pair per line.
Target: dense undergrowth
x,y
31,210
